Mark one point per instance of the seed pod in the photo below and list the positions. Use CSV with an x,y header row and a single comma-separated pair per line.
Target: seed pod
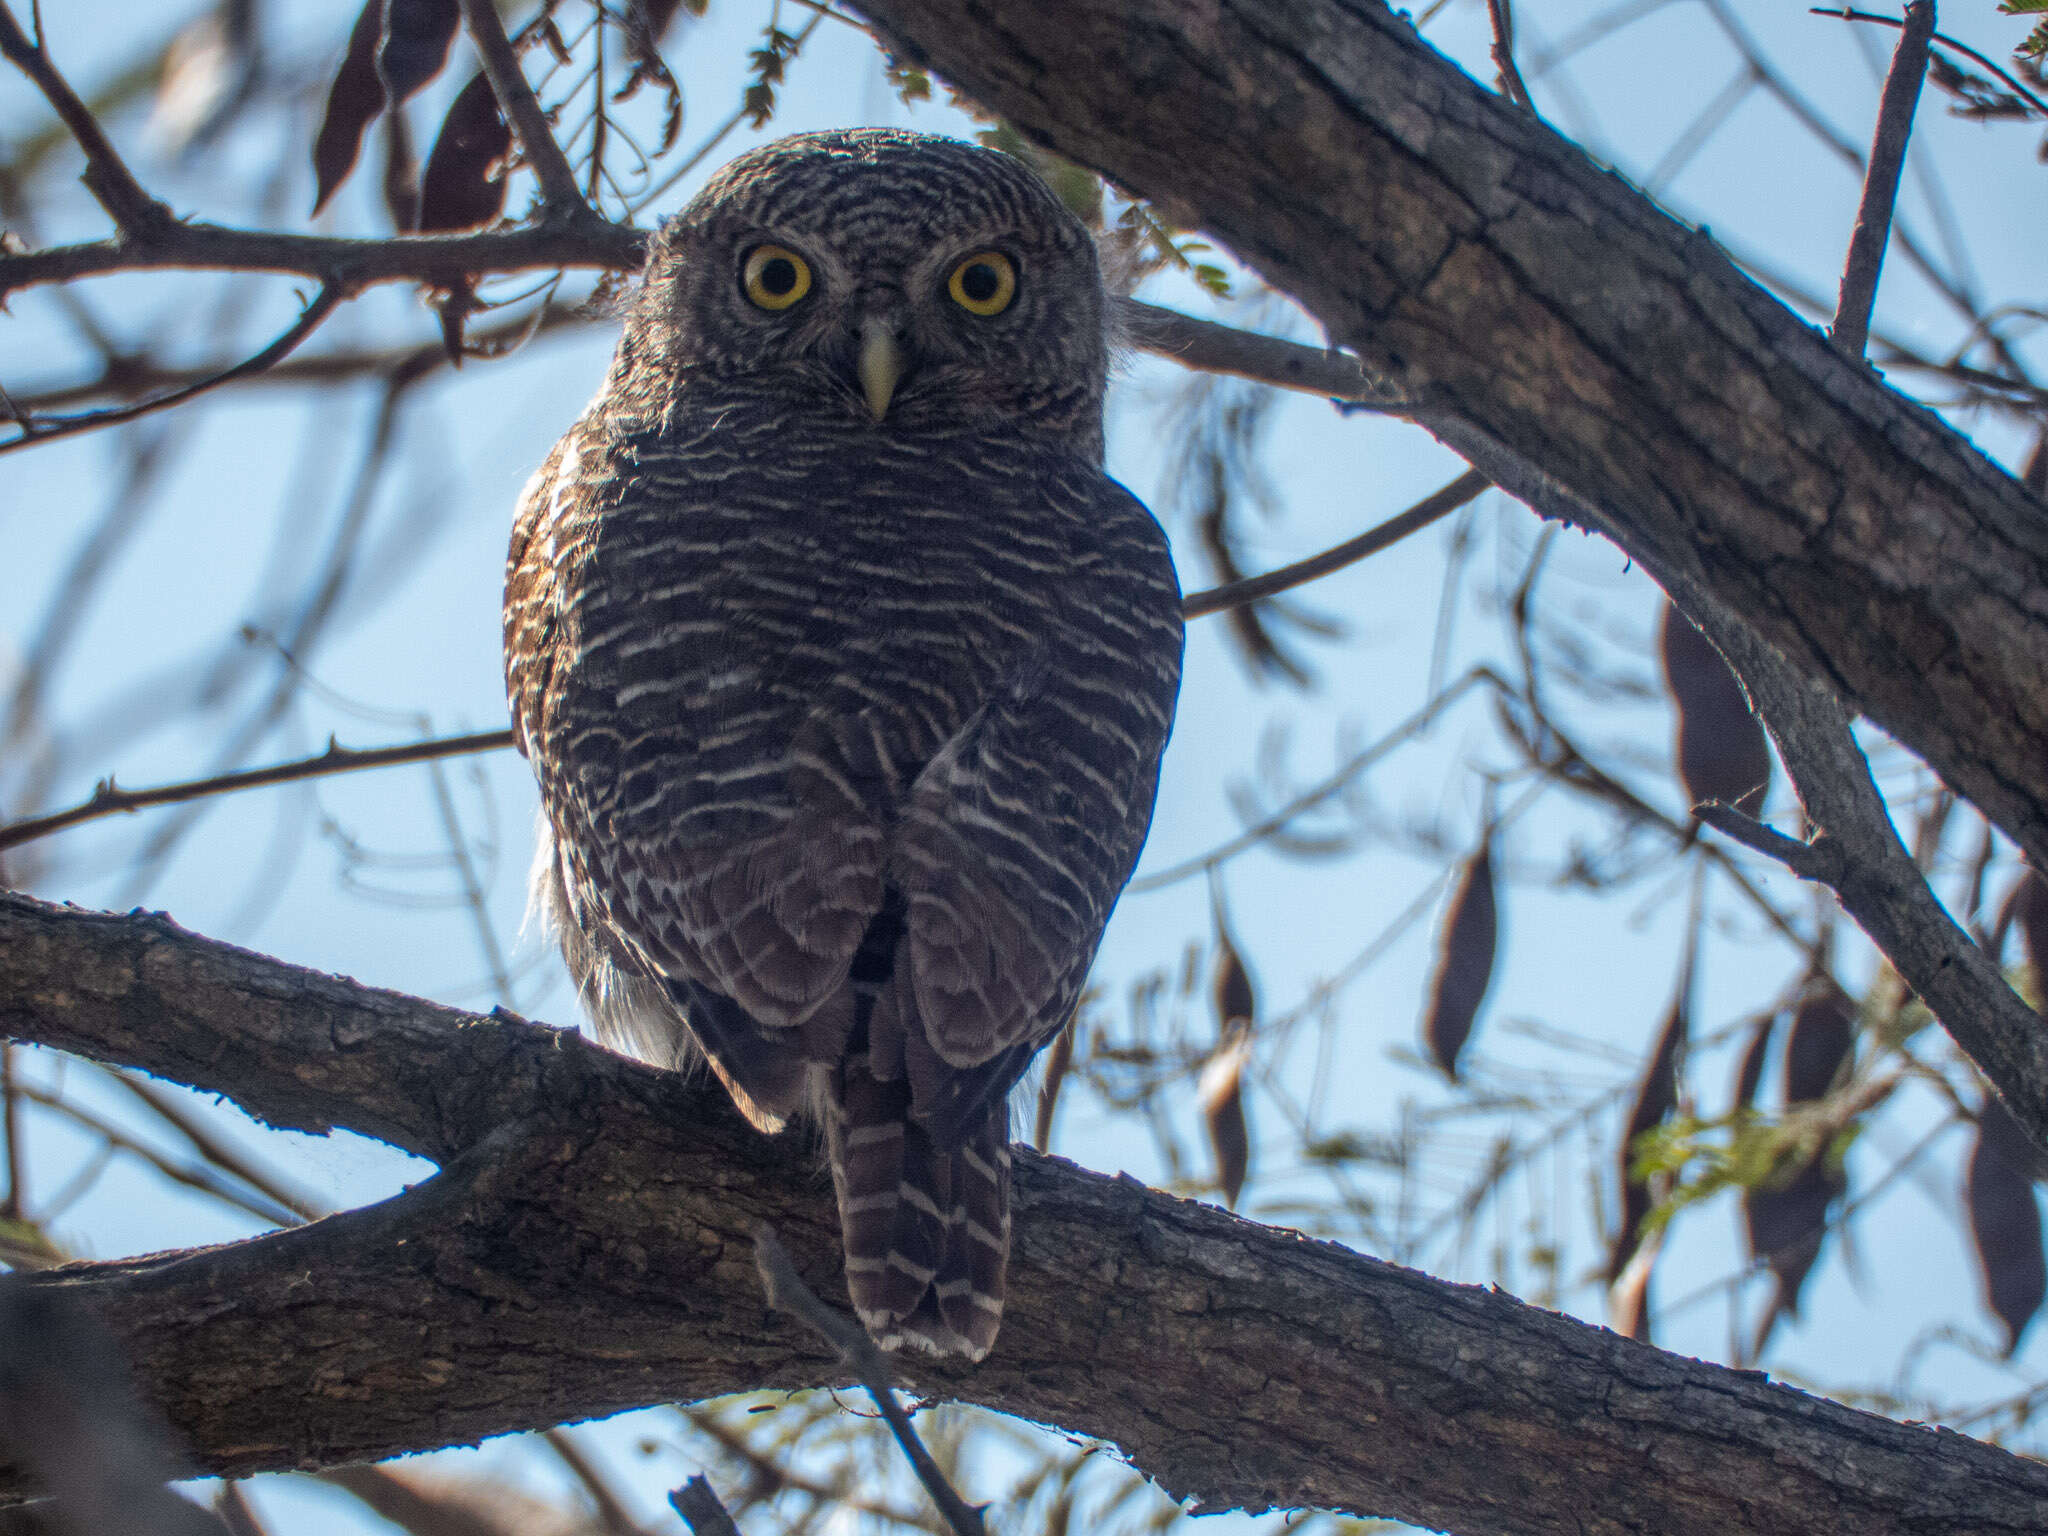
x,y
1464,966
1823,1034
2005,1220
355,98
1750,1074
1221,1095
1236,1001
394,49
1786,1217
463,185
1656,1097
1722,754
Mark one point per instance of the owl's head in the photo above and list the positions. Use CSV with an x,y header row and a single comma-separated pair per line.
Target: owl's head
x,y
904,281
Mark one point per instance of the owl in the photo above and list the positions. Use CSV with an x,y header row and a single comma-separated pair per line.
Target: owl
x,y
845,671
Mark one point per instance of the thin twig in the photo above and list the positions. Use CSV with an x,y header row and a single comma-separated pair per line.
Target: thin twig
x,y
138,215
788,1293
1851,330
1433,507
170,1106
1811,860
1845,14
551,168
611,1514
1501,14
1209,347
34,431
353,264
108,798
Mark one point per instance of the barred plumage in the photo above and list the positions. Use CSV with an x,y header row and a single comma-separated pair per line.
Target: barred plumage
x,y
845,671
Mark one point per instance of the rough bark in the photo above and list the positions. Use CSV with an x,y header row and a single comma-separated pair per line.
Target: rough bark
x,y
1588,353
583,1250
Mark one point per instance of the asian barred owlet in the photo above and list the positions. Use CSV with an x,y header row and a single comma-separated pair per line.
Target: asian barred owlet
x,y
845,671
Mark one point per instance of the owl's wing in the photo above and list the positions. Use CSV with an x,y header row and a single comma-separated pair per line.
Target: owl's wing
x,y
1019,834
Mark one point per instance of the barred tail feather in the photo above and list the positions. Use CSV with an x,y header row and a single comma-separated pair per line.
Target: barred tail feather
x,y
926,1228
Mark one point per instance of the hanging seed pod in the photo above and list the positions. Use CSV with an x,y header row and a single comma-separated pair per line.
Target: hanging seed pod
x,y
2005,1220
1750,1073
1057,1060
355,98
1464,965
463,185
1236,1000
1823,1034
1786,1218
1721,752
1221,1095
1656,1097
394,50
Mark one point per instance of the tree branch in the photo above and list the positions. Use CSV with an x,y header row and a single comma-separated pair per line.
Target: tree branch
x,y
1895,109
586,1248
35,430
349,264
558,189
109,799
135,213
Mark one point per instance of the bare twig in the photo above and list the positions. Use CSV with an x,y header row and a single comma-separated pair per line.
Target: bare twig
x,y
558,189
788,1293
1501,14
1438,504
1895,110
170,1107
350,264
138,215
108,799
611,1514
1845,14
1209,347
35,431
702,1510
1815,859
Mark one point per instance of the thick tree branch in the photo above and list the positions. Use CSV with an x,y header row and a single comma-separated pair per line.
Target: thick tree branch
x,y
586,1249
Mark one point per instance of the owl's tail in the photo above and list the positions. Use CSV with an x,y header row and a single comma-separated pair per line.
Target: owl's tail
x,y
926,1227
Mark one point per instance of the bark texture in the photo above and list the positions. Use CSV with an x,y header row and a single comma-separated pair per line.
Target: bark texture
x,y
584,1250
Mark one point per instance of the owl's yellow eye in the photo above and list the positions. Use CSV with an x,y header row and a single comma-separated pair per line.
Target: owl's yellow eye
x,y
775,277
984,283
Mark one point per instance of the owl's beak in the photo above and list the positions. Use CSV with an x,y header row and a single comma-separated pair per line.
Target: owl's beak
x,y
881,364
